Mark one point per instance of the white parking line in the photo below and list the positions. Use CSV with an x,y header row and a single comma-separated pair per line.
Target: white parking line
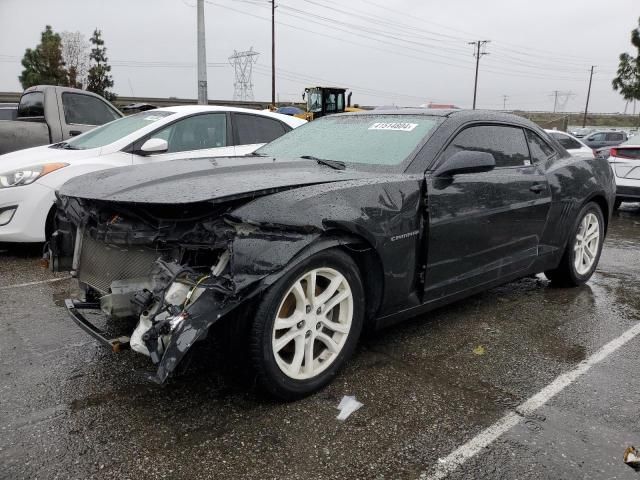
x,y
28,284
474,446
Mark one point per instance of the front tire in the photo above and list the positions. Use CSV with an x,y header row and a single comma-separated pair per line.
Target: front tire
x,y
583,250
307,325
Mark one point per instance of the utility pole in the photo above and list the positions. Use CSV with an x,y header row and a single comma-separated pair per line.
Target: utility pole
x,y
555,100
273,53
203,98
504,101
586,107
478,47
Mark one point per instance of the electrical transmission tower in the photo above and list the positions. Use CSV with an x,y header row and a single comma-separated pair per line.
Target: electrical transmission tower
x,y
243,64
560,99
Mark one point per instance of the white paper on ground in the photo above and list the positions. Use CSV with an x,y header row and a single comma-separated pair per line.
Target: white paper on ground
x,y
347,406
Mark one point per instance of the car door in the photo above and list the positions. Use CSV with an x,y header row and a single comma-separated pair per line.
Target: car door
x,y
485,226
252,131
196,136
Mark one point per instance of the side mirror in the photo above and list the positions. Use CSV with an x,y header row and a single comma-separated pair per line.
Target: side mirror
x,y
154,145
466,161
304,94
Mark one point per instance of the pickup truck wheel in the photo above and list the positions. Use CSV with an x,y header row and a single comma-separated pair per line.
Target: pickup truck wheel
x,y
307,325
583,249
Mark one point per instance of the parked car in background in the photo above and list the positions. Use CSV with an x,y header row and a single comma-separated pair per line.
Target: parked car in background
x,y
48,114
581,132
8,111
353,221
570,143
29,178
604,138
625,163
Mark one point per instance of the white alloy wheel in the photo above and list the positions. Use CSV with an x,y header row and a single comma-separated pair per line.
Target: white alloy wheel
x,y
586,244
312,323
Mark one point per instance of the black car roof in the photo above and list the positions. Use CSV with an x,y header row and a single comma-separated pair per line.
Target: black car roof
x,y
461,115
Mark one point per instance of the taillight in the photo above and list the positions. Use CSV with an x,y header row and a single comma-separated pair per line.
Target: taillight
x,y
627,152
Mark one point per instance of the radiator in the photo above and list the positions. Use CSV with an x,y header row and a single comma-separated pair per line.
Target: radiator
x,y
100,264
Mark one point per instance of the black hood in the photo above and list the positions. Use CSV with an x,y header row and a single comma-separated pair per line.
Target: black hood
x,y
203,179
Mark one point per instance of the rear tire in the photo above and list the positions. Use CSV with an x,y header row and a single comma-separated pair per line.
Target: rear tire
x,y
582,253
307,325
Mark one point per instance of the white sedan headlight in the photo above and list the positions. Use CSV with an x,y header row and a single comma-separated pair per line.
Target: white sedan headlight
x,y
27,175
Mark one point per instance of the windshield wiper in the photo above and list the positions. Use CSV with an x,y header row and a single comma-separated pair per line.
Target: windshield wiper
x,y
335,164
256,154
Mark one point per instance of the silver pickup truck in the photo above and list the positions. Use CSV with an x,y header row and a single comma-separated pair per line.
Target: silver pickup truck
x,y
48,114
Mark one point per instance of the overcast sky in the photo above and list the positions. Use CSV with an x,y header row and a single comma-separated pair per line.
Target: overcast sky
x,y
406,52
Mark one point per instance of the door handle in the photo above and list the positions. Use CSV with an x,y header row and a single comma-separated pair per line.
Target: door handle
x,y
537,187
73,133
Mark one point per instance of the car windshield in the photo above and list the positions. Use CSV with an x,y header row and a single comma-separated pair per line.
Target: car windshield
x,y
364,139
112,131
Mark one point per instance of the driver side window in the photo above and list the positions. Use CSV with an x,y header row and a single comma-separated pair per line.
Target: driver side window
x,y
507,144
195,133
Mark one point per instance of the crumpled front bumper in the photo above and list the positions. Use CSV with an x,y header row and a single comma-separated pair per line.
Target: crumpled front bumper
x,y
193,326
74,308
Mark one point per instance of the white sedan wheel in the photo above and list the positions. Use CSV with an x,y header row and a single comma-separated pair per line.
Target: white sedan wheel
x,y
312,323
586,244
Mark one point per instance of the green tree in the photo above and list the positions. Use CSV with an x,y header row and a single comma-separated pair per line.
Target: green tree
x,y
99,79
627,82
44,65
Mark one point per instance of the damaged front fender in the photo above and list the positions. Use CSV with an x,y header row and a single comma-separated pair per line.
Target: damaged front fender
x,y
251,277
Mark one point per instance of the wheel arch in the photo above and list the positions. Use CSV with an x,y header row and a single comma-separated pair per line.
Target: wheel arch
x,y
49,224
367,259
600,200
371,273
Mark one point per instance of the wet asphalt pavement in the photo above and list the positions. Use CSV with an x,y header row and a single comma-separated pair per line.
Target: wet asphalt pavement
x,y
72,409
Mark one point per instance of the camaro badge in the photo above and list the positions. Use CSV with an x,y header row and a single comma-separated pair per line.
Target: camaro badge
x,y
405,235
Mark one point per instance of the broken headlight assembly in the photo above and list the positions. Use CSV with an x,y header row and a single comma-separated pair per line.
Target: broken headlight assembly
x,y
28,175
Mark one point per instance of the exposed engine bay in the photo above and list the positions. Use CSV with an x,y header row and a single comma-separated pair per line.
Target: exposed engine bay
x,y
175,269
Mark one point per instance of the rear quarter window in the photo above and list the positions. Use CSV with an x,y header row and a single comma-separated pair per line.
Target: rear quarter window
x,y
251,129
566,141
540,149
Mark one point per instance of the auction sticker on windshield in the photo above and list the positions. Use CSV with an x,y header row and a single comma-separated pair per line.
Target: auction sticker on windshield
x,y
403,127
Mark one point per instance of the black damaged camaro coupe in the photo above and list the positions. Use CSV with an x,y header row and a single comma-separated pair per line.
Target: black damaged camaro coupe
x,y
352,221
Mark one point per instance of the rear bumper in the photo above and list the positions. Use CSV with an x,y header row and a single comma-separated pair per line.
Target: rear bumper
x,y
628,192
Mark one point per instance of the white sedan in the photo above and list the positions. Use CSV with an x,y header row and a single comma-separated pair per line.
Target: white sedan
x,y
625,162
571,143
29,178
